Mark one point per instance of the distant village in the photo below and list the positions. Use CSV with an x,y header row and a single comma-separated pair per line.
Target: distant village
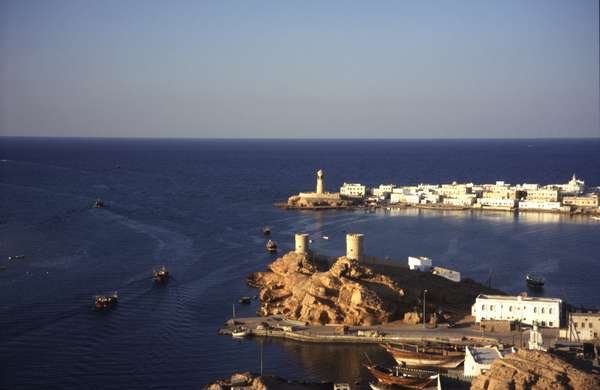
x,y
572,197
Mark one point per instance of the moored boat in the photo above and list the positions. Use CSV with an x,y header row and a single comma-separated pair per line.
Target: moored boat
x,y
535,282
99,203
427,357
161,275
271,246
245,300
394,377
16,257
240,332
105,302
266,230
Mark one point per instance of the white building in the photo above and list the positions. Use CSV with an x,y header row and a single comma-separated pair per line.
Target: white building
x,y
544,311
479,359
582,327
449,274
430,199
538,205
353,190
495,202
420,263
543,194
412,199
463,200
384,190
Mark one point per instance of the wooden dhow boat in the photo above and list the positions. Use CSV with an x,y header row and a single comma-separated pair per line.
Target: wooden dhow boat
x,y
394,377
161,275
105,302
425,357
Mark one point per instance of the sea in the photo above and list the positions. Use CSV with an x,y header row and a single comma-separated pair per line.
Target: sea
x,y
198,207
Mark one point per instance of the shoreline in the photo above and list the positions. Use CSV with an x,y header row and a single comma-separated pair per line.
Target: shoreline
x,y
401,206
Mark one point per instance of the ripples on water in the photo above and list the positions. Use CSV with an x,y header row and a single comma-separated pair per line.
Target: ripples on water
x,y
198,207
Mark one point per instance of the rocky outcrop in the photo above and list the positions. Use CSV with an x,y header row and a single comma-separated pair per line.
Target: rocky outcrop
x,y
347,293
534,370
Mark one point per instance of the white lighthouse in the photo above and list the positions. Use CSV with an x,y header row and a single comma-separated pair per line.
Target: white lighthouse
x,y
320,182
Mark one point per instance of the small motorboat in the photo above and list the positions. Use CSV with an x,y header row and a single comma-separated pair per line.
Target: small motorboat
x,y
240,331
161,275
99,203
271,246
16,257
325,237
245,300
535,282
266,231
105,302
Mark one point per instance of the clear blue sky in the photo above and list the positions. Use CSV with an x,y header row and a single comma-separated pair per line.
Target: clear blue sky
x,y
394,69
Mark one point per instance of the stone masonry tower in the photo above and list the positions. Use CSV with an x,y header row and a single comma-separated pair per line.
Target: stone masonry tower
x,y
354,246
320,182
302,243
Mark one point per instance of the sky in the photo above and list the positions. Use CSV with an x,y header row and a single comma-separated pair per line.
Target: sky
x,y
300,69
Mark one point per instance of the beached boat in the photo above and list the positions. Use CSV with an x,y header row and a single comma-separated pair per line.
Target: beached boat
x,y
271,246
535,282
426,357
394,377
161,275
105,302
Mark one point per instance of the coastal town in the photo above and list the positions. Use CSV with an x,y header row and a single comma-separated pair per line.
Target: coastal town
x,y
442,330
572,197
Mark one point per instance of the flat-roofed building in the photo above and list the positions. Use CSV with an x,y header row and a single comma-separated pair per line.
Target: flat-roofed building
x,y
479,359
499,203
384,190
590,200
453,190
464,200
538,205
353,190
582,327
449,274
420,263
543,194
544,311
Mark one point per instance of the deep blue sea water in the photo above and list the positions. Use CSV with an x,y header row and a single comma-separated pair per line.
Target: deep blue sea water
x,y
198,206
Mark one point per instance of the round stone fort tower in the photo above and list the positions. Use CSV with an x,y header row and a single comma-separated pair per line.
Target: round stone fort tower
x,y
302,243
320,182
354,246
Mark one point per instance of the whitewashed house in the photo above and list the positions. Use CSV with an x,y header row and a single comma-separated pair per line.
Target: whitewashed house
x,y
420,263
528,310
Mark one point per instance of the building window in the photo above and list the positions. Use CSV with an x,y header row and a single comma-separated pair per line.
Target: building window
x,y
543,310
535,309
575,324
482,307
550,323
491,307
590,325
550,311
543,323
510,308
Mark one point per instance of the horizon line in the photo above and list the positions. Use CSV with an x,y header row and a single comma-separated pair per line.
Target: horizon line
x,y
82,137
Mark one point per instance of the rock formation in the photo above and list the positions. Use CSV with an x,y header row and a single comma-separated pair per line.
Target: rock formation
x,y
534,370
347,293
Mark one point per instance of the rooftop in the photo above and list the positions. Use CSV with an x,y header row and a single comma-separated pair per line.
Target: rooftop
x,y
485,355
518,298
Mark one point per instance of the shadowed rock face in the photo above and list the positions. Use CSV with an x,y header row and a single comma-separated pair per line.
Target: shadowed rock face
x,y
348,293
534,370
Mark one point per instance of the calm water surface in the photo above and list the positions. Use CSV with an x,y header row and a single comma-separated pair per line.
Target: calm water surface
x,y
198,207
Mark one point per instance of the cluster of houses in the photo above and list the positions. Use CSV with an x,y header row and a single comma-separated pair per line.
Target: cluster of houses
x,y
501,195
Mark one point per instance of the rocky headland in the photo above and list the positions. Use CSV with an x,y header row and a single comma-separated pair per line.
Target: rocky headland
x,y
347,291
534,370
248,381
